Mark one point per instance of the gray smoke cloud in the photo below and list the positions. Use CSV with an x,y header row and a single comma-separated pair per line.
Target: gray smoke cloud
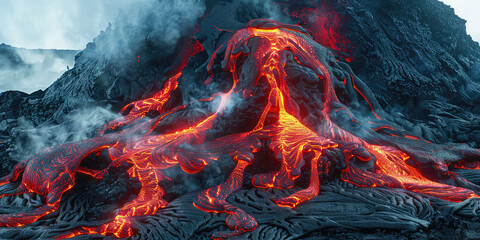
x,y
78,125
30,70
128,26
160,22
56,24
270,8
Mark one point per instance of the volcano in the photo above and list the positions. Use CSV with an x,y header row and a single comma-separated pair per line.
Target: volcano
x,y
260,126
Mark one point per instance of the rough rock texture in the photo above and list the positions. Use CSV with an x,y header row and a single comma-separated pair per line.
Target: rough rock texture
x,y
416,58
419,62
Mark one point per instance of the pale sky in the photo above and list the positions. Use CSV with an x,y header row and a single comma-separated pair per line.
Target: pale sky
x,y
59,24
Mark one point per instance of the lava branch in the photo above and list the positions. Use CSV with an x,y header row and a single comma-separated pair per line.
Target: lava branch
x,y
138,109
51,173
328,149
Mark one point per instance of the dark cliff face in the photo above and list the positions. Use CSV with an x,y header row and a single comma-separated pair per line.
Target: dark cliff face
x,y
419,62
414,52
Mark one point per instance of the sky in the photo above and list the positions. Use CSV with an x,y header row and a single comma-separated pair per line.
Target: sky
x,y
49,24
59,24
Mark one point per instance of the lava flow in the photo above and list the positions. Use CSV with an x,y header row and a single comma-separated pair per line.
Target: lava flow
x,y
300,131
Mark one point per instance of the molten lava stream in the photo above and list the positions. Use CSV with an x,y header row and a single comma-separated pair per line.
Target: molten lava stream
x,y
265,47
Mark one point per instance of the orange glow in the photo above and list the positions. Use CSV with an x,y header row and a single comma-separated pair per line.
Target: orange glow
x,y
363,95
293,143
323,23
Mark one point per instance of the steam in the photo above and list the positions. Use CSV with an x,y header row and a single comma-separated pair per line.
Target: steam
x,y
56,24
76,126
159,24
30,70
270,9
154,23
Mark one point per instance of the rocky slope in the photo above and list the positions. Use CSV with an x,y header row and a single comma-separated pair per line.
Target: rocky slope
x,y
419,62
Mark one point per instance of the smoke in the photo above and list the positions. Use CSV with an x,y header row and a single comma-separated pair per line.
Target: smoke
x,y
30,70
76,126
155,24
56,24
142,26
270,8
136,26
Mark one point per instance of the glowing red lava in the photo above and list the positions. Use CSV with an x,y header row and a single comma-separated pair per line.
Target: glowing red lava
x,y
323,24
268,45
